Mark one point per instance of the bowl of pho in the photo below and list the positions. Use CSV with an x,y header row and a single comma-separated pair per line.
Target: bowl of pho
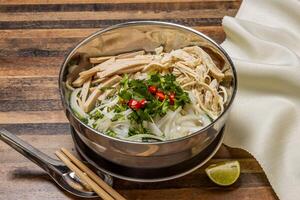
x,y
147,94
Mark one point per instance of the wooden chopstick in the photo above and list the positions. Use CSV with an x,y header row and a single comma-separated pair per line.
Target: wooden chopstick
x,y
92,175
102,193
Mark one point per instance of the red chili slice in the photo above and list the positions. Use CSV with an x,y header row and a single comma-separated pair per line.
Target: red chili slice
x,y
134,104
143,103
160,95
152,89
172,98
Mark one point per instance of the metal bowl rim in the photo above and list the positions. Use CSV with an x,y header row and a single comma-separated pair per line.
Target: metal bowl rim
x,y
137,23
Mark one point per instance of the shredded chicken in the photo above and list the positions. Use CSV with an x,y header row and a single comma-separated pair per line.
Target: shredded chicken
x,y
99,60
122,64
108,92
206,60
85,90
91,101
94,70
131,70
131,54
98,80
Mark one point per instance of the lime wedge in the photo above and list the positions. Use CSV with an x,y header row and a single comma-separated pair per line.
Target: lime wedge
x,y
224,173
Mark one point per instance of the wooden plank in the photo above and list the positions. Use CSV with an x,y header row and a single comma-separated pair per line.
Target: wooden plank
x,y
125,6
40,62
30,71
101,23
46,190
196,180
41,2
14,45
32,117
228,152
33,52
47,128
24,88
30,66
30,105
114,15
45,33
265,193
46,143
78,33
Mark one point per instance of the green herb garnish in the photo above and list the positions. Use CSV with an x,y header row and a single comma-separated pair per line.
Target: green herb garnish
x,y
117,117
97,115
111,133
138,90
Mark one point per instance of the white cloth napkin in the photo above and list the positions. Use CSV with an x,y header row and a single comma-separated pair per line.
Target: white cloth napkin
x,y
264,42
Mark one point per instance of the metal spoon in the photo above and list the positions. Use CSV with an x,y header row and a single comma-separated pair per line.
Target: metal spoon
x,y
56,169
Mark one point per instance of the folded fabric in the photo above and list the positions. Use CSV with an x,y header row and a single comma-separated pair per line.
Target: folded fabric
x,y
264,42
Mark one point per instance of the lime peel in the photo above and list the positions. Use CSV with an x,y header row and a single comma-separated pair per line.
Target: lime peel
x,y
224,173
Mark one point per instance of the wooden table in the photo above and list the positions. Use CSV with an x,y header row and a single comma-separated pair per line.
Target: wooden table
x,y
34,38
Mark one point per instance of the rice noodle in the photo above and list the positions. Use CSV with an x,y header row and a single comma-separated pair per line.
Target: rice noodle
x,y
74,103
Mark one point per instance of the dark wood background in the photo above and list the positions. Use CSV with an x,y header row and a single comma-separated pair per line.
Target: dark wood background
x,y
34,38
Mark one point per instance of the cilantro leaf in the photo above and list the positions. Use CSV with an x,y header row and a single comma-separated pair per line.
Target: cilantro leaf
x,y
117,117
126,95
97,115
111,133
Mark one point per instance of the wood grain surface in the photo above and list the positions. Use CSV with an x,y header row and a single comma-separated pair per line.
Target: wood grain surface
x,y
35,35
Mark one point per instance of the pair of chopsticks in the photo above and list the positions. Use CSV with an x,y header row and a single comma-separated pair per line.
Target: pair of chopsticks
x,y
88,176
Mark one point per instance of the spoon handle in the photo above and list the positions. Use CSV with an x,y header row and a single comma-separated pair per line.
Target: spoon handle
x,y
33,154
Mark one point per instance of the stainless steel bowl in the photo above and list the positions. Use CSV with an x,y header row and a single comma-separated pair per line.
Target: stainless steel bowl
x,y
147,35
